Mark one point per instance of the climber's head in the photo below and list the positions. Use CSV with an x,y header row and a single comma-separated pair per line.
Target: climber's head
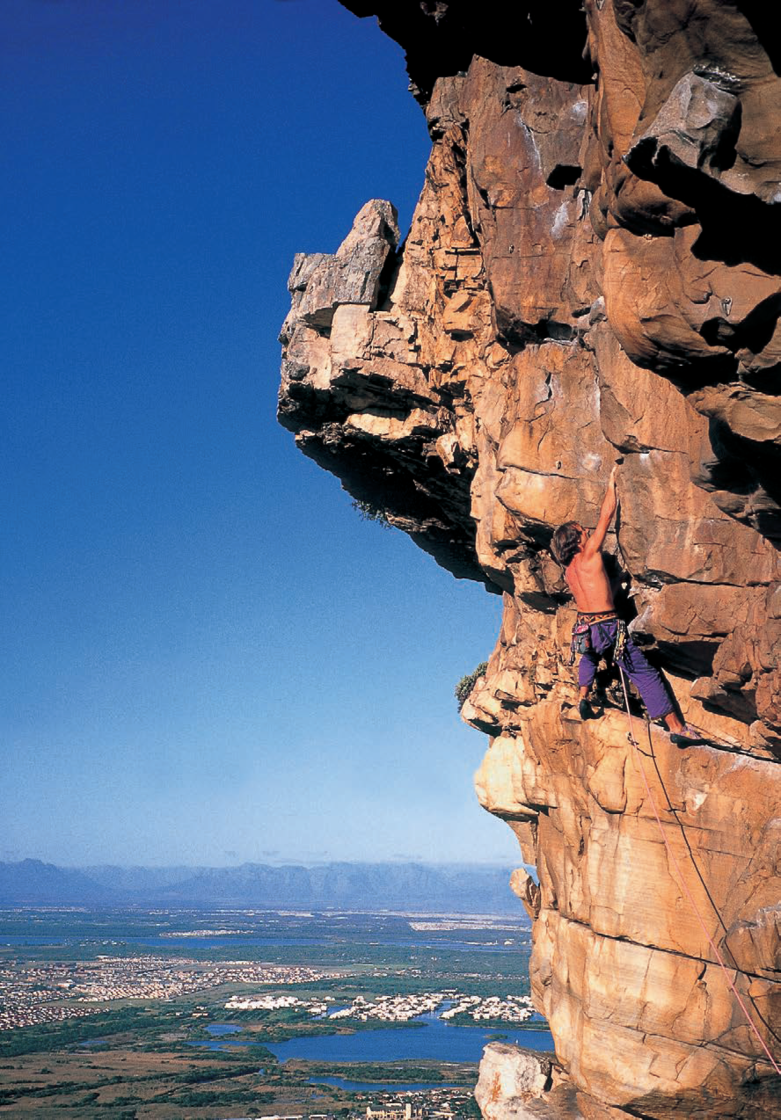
x,y
567,542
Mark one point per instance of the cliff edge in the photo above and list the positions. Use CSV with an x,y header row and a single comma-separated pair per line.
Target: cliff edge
x,y
593,271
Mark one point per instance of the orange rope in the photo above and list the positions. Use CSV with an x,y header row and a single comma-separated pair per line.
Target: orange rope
x,y
686,890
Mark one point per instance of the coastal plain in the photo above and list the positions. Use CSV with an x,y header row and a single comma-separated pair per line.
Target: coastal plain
x,y
172,1013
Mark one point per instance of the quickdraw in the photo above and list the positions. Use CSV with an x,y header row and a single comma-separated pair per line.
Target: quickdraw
x,y
581,640
622,637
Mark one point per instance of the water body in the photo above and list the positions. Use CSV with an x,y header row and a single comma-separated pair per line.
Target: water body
x,y
386,942
157,942
435,1041
27,939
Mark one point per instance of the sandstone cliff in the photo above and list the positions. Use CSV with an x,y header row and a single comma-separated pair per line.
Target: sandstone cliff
x,y
593,271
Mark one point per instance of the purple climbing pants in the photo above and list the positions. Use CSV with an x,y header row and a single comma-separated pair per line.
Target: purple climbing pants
x,y
646,679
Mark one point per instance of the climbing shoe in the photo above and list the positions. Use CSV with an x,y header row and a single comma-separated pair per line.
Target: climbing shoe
x,y
686,738
586,711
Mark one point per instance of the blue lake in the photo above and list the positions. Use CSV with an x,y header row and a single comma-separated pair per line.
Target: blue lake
x,y
29,939
434,1041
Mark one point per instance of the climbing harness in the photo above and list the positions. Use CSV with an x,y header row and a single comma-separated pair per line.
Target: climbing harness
x,y
581,632
676,865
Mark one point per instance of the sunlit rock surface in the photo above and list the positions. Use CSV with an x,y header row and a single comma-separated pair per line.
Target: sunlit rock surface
x,y
593,271
518,1084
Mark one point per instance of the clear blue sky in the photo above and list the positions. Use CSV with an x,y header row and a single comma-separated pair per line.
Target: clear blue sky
x,y
209,658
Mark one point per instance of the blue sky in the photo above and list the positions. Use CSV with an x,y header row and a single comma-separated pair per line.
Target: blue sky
x,y
209,657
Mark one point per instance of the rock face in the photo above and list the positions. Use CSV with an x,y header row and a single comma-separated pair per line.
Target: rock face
x,y
593,271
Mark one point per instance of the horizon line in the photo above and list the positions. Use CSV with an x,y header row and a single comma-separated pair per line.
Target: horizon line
x,y
269,862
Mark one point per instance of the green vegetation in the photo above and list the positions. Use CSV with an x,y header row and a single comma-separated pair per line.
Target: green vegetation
x,y
271,1029
367,511
457,1073
139,1021
193,1098
467,683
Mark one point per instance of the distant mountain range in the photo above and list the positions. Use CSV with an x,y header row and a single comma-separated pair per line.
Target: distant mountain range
x,y
425,888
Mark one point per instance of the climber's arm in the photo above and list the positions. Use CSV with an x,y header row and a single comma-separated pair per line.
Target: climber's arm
x,y
606,514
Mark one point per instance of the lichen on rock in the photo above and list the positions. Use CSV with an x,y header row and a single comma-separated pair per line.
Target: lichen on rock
x,y
593,272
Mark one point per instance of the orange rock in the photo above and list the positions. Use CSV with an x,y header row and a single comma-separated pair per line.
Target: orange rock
x,y
592,273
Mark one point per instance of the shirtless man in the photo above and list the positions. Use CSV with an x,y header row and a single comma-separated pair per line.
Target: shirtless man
x,y
598,630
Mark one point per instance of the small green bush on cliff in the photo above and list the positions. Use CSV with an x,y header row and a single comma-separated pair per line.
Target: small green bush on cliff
x,y
369,512
467,683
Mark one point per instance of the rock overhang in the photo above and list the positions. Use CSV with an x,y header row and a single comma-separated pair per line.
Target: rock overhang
x,y
537,324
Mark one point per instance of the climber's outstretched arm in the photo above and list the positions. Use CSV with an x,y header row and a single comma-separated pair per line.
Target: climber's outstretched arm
x,y
606,514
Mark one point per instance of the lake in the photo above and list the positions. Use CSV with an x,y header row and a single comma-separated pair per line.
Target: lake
x,y
436,1040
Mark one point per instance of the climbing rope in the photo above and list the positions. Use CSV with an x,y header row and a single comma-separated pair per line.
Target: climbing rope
x,y
687,892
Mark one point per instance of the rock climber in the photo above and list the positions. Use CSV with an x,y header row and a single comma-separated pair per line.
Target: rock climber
x,y
599,632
